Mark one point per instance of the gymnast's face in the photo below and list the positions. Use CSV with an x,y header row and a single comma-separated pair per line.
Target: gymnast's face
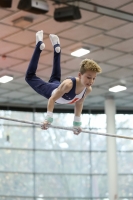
x,y
87,79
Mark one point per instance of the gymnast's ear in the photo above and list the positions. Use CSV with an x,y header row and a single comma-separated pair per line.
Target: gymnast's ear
x,y
79,74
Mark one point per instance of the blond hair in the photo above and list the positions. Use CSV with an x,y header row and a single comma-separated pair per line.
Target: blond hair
x,y
89,65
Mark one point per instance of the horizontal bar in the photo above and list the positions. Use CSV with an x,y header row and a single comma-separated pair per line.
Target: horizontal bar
x,y
66,128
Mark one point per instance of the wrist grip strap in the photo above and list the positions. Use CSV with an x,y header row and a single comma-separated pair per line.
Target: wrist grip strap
x,y
77,124
49,119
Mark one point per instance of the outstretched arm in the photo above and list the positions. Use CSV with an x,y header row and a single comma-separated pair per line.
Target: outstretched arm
x,y
65,87
78,110
79,104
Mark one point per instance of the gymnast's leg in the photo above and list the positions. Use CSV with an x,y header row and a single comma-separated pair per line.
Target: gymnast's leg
x,y
56,71
43,88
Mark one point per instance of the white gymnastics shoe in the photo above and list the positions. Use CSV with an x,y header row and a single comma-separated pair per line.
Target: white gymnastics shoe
x,y
55,40
39,37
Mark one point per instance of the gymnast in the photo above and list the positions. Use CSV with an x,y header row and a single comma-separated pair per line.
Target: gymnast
x,y
73,90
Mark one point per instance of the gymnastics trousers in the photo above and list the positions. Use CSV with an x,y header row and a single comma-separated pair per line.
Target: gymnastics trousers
x,y
41,87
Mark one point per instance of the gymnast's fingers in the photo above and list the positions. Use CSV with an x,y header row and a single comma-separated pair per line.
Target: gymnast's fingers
x,y
77,131
44,125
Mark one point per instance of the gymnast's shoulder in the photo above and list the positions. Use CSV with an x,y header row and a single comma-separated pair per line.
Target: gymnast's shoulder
x,y
66,85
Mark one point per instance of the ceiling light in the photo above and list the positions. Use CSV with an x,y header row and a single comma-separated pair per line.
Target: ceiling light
x,y
117,88
5,79
23,21
80,52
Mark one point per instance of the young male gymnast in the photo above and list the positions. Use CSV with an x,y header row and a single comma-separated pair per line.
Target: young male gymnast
x,y
71,90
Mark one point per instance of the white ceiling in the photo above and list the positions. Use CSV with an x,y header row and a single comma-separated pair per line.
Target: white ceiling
x,y
109,39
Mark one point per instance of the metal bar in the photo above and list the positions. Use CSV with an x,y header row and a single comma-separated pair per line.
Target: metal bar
x,y
66,128
90,6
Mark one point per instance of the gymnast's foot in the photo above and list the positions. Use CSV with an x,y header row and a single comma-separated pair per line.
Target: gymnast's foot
x,y
39,37
55,40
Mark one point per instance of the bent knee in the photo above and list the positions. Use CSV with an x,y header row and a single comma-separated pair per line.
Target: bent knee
x,y
27,78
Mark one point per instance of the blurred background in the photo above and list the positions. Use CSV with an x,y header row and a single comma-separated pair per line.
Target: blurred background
x,y
56,164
